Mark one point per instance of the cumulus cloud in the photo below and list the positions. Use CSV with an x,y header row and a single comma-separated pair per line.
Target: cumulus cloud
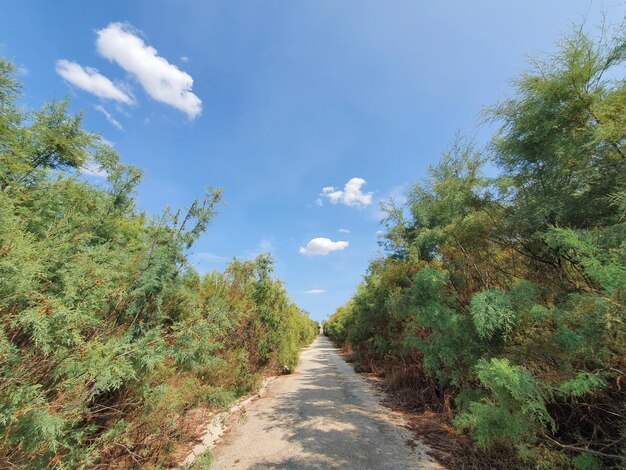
x,y
162,81
322,246
314,291
109,117
351,194
344,230
92,81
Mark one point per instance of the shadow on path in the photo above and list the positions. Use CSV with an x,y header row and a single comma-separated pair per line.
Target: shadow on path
x,y
324,416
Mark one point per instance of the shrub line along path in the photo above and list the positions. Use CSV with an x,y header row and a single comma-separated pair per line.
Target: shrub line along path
x,y
323,416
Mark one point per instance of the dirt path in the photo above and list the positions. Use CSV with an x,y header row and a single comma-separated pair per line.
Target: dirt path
x,y
322,416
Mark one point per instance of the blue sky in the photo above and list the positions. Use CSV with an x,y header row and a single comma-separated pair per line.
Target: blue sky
x,y
288,97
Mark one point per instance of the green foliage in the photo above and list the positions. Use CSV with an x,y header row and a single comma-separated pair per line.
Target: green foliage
x,y
204,461
563,136
586,462
508,293
492,313
448,356
583,384
513,409
106,333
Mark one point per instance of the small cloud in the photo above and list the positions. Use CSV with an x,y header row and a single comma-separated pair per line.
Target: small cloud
x,y
92,81
313,291
322,246
344,230
205,261
208,257
379,233
184,59
351,194
22,71
319,202
108,116
91,168
163,81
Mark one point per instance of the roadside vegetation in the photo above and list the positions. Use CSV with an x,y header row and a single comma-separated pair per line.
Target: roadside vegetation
x,y
499,301
107,335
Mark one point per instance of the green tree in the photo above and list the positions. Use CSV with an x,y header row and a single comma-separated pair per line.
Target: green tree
x,y
505,295
106,333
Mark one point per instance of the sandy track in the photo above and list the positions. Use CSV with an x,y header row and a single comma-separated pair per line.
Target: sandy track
x,y
322,416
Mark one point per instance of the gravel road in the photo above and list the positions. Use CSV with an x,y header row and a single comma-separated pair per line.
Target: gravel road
x,y
321,417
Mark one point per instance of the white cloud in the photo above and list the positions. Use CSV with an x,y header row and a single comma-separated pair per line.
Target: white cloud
x,y
319,202
92,81
330,193
205,261
91,168
162,81
184,59
314,291
322,246
207,257
344,230
351,194
108,116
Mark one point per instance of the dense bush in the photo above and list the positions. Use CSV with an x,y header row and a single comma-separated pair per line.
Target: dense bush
x,y
507,294
107,335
